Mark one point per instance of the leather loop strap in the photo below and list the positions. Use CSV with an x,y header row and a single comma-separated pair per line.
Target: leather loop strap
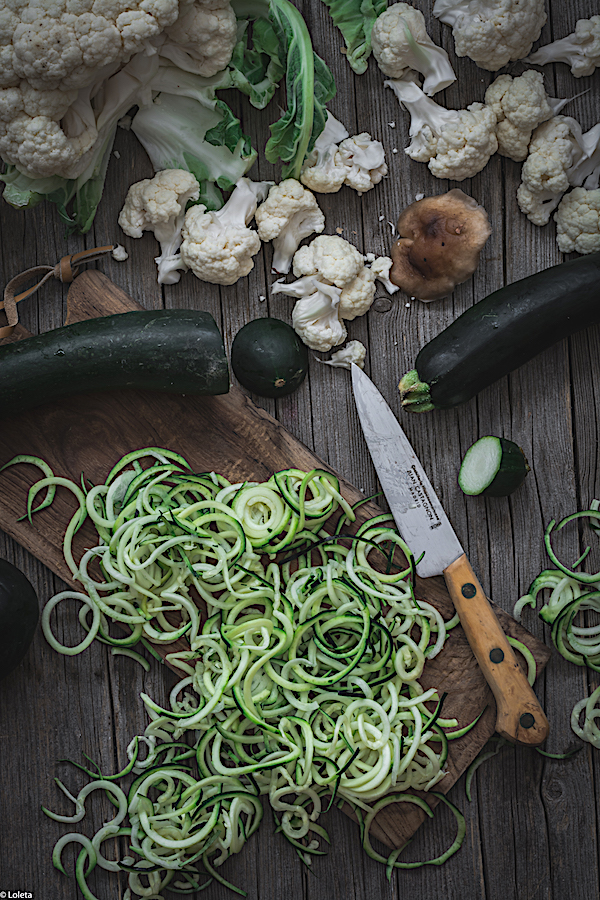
x,y
65,271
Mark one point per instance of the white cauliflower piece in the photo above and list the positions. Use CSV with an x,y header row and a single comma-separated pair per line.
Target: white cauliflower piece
x,y
323,170
580,50
218,246
331,258
560,156
315,317
354,352
578,221
158,204
520,104
289,214
401,44
456,144
381,267
203,37
357,296
365,163
492,32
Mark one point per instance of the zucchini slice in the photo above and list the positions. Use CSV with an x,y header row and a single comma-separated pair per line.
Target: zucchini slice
x,y
179,351
503,331
492,466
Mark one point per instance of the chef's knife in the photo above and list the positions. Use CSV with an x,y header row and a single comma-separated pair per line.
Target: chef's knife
x,y
424,526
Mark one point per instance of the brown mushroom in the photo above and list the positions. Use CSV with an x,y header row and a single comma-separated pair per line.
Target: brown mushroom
x,y
440,239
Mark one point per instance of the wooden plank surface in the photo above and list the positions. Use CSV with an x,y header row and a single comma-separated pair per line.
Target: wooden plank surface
x,y
532,828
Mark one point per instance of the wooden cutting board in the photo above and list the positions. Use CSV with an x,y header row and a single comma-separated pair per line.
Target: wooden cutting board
x,y
229,434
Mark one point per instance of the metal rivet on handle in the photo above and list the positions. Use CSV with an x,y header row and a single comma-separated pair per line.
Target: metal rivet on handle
x,y
468,590
527,720
496,655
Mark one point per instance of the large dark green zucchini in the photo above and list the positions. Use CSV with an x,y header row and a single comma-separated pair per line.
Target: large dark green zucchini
x,y
179,351
503,331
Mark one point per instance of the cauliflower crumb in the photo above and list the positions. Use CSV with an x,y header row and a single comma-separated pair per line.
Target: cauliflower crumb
x,y
120,253
116,154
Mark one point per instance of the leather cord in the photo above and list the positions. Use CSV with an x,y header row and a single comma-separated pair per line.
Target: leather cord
x,y
65,270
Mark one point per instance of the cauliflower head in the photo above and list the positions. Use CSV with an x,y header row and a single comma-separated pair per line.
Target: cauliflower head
x,y
158,204
400,44
289,214
492,32
520,104
331,258
578,221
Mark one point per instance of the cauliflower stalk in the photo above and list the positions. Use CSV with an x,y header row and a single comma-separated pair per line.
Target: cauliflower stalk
x,y
492,32
333,285
455,144
520,104
289,214
158,204
578,221
338,159
560,156
219,247
580,50
401,45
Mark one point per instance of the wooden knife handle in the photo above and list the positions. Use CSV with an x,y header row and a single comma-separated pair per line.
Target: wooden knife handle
x,y
520,718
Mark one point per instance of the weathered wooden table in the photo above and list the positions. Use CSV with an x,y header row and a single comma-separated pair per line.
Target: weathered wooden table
x,y
532,827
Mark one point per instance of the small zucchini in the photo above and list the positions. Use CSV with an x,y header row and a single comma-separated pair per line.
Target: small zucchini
x,y
492,466
268,358
19,614
503,331
179,351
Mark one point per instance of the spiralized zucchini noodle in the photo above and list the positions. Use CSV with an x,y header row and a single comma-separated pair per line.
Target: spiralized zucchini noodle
x,y
301,683
569,595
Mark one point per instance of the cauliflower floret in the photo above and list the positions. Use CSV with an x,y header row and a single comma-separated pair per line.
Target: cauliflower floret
x,y
556,151
315,317
218,246
202,39
520,104
289,214
158,204
323,170
382,267
357,296
401,44
456,144
354,352
580,50
331,258
578,221
492,32
365,163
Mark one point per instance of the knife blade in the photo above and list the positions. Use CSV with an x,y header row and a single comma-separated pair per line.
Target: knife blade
x,y
425,527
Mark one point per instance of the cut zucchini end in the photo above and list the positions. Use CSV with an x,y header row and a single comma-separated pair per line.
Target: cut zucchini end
x,y
492,467
415,394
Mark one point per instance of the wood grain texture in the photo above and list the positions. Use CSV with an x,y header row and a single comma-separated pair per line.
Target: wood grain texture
x,y
532,828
